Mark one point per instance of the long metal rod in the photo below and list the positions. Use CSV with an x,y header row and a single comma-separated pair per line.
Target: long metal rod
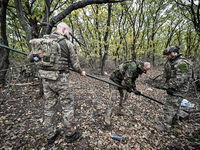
x,y
112,83
13,49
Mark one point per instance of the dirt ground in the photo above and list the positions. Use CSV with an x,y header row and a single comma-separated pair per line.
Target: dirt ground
x,y
21,118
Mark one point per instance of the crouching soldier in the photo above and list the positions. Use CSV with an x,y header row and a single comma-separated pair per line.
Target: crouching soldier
x,y
124,75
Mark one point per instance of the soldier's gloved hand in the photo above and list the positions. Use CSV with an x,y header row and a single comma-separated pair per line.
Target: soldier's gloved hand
x,y
136,92
129,90
171,91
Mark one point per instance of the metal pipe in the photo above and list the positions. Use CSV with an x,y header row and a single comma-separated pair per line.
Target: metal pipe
x,y
112,83
13,49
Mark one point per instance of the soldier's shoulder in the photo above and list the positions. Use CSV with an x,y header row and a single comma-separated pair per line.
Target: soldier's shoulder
x,y
132,66
66,42
183,60
182,65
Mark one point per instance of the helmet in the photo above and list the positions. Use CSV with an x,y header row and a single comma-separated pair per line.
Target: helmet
x,y
171,49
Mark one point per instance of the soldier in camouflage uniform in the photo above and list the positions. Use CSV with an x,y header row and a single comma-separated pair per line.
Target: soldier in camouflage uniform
x,y
60,90
179,77
124,75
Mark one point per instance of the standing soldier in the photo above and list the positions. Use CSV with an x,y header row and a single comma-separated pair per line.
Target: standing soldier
x,y
124,75
178,82
58,89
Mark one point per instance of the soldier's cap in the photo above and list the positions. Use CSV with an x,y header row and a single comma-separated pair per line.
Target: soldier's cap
x,y
171,49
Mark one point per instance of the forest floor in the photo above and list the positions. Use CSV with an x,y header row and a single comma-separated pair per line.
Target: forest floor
x,y
21,118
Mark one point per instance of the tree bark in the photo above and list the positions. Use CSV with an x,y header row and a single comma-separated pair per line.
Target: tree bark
x,y
106,45
4,61
75,6
26,27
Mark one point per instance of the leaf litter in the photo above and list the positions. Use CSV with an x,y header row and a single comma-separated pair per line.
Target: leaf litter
x,y
21,119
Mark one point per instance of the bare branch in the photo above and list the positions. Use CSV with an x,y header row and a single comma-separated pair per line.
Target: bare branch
x,y
75,6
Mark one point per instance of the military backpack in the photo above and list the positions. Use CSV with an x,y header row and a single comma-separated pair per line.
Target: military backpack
x,y
46,52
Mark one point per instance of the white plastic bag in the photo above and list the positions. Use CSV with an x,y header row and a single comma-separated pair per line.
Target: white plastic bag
x,y
187,104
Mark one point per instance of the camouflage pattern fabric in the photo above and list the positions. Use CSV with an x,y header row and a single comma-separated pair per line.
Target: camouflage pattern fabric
x,y
124,75
128,74
68,51
180,77
46,52
51,75
172,111
69,57
166,73
167,70
114,93
59,91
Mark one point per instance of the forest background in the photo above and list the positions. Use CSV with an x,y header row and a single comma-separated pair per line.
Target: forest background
x,y
107,33
106,29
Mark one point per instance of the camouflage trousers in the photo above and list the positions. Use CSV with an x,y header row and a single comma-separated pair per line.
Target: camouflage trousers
x,y
172,110
114,91
59,91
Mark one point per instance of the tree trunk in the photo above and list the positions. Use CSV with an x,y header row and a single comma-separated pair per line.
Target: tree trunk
x,y
4,61
26,27
106,46
75,6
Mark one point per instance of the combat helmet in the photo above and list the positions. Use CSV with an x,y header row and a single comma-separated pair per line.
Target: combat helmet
x,y
171,49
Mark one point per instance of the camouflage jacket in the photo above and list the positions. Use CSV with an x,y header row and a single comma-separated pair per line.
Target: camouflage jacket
x,y
126,74
166,72
68,51
181,74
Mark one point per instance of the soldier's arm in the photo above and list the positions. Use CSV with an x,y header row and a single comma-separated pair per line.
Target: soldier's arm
x,y
166,71
74,59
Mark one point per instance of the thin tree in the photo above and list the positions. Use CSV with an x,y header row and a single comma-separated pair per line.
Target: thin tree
x,y
4,61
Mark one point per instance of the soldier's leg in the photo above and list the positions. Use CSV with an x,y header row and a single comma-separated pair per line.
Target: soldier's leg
x,y
110,103
123,98
170,110
169,113
66,99
177,107
49,103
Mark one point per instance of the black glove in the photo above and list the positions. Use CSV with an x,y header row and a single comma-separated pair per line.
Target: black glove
x,y
129,90
171,91
136,92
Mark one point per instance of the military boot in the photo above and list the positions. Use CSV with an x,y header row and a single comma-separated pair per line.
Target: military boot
x,y
176,122
52,139
74,137
120,111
